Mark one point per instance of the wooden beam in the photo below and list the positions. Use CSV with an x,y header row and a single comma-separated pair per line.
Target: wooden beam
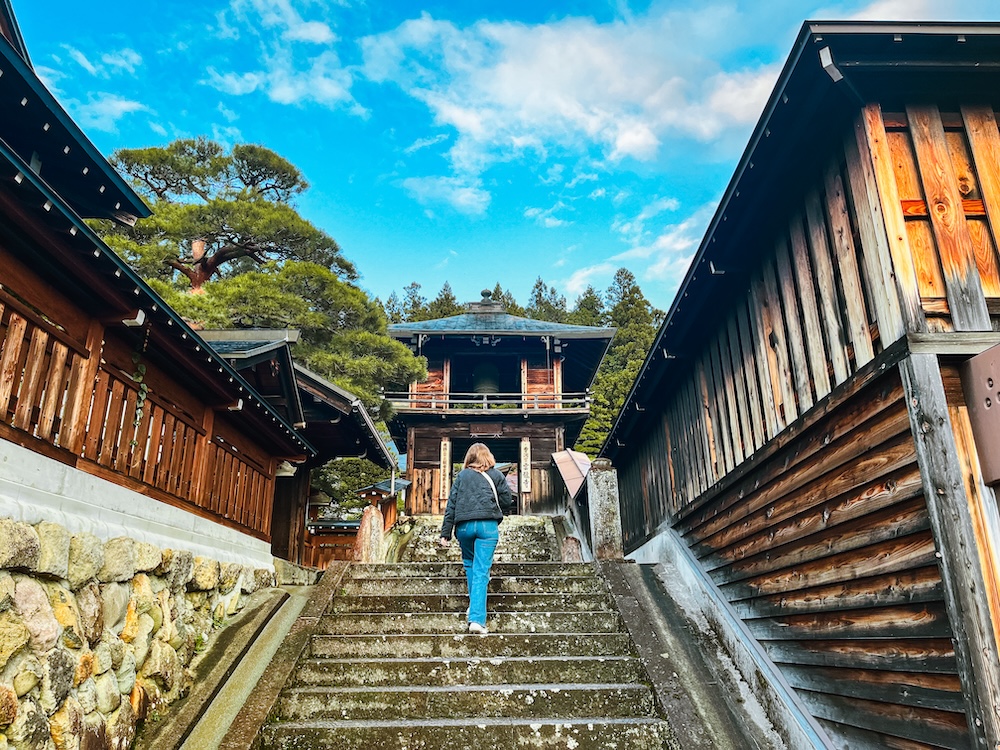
x,y
961,570
872,139
954,243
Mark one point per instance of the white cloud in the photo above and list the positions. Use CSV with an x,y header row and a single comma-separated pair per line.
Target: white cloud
x,y
580,279
899,10
546,217
158,129
634,229
465,198
125,59
233,83
422,143
227,113
666,257
510,88
280,15
81,59
599,193
103,111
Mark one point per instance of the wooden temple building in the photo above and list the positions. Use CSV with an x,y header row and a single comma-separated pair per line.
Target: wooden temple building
x,y
516,384
816,431
330,418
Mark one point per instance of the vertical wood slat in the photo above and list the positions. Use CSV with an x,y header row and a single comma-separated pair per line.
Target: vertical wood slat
x,y
826,288
112,424
166,452
984,140
10,371
762,353
872,138
976,649
739,383
140,455
31,382
847,263
80,392
698,430
780,343
716,455
874,243
796,344
730,388
810,309
750,370
155,448
55,391
717,392
966,301
128,432
96,417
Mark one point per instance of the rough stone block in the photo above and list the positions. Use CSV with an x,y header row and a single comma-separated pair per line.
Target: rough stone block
x,y
205,576
6,591
28,675
31,602
115,599
53,555
87,695
91,608
8,705
57,680
176,567
30,728
147,557
14,636
86,558
64,608
94,736
102,657
84,668
108,696
19,545
122,725
126,673
229,576
66,725
119,560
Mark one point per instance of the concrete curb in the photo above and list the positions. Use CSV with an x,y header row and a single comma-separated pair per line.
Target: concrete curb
x,y
214,668
245,729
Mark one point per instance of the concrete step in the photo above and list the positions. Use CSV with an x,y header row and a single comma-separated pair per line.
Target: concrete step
x,y
529,584
459,734
455,570
439,622
460,602
464,645
565,701
450,671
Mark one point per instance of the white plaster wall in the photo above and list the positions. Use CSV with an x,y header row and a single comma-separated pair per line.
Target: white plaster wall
x,y
35,488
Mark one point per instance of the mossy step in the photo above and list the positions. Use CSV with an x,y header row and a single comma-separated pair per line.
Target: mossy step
x,y
529,584
455,569
498,622
459,645
497,701
483,733
450,671
459,603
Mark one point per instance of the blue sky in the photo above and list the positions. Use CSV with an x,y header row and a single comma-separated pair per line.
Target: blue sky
x,y
470,142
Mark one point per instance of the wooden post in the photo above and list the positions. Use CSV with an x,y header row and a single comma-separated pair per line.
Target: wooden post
x,y
445,464
965,590
524,466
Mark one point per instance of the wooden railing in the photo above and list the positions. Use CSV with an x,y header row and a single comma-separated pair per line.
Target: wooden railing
x,y
37,362
487,401
108,425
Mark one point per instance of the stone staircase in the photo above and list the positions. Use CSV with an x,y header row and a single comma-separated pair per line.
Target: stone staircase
x,y
389,665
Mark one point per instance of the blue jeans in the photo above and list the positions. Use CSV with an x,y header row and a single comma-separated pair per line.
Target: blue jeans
x,y
478,540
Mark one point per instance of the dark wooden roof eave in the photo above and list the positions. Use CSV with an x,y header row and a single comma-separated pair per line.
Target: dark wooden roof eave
x,y
864,57
73,164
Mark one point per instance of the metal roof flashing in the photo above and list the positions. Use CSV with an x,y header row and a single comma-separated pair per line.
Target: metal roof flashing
x,y
832,68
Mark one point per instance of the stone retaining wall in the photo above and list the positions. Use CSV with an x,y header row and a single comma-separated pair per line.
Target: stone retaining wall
x,y
94,636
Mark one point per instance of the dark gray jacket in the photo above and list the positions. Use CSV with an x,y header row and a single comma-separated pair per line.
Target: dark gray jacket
x,y
471,499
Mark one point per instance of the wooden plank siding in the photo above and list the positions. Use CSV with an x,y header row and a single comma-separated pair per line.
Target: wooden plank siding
x,y
825,550
864,556
77,402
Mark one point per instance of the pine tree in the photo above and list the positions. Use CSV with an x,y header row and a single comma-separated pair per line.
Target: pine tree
x,y
444,305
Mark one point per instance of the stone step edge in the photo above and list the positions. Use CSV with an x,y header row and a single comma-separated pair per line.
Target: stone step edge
x,y
325,660
462,722
557,687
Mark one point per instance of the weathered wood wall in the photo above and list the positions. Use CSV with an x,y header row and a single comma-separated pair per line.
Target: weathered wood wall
x,y
807,505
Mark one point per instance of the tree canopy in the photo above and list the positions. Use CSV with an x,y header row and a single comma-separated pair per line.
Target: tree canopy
x,y
217,213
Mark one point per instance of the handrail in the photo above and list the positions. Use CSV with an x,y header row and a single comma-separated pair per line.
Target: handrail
x,y
487,401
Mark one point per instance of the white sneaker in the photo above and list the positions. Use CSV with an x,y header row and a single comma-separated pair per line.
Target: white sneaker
x,y
475,627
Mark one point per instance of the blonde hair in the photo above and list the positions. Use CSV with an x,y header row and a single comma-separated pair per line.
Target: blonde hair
x,y
479,458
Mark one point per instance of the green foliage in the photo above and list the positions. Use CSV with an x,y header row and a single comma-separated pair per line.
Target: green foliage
x,y
546,303
444,305
504,297
216,213
341,479
588,310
